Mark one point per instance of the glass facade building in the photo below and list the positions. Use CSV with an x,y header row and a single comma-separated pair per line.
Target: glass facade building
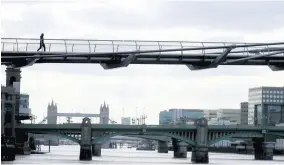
x,y
24,101
165,117
24,109
173,115
266,106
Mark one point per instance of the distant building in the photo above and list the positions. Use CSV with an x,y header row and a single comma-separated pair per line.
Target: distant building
x,y
192,114
174,115
223,116
266,105
220,121
210,113
24,105
244,113
165,117
232,115
126,120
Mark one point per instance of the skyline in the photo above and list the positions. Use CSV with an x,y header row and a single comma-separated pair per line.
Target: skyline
x,y
152,87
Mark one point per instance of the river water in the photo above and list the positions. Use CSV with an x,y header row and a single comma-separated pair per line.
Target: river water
x,y
70,155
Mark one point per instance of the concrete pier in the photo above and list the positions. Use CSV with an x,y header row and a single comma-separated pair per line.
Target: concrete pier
x,y
263,150
163,147
180,149
199,155
96,149
86,140
200,150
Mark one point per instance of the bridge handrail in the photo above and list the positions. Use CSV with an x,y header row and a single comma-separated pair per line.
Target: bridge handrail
x,y
55,43
166,41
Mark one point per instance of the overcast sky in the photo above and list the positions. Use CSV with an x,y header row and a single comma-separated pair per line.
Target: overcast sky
x,y
82,88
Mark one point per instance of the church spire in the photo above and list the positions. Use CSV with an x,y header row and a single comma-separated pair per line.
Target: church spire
x,y
52,104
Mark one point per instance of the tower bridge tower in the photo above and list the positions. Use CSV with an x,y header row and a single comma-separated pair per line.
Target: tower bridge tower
x,y
104,114
52,113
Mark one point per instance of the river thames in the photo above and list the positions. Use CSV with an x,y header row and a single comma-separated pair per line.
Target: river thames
x,y
70,155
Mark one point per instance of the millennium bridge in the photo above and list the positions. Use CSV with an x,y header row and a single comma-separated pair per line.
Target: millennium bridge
x,y
17,53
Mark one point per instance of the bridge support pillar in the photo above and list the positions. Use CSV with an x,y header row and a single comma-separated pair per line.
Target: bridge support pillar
x,y
200,150
199,155
263,150
86,137
96,149
13,79
180,149
163,147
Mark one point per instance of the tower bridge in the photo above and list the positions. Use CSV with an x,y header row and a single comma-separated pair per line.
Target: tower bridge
x,y
53,114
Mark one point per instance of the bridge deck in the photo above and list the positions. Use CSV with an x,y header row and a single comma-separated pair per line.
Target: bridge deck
x,y
114,127
22,50
77,115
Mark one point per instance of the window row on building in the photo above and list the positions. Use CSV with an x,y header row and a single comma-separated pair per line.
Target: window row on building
x,y
273,91
273,96
273,101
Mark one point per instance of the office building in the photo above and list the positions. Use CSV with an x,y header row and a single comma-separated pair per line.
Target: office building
x,y
24,105
125,120
188,113
244,113
231,115
266,105
174,115
210,113
220,121
165,117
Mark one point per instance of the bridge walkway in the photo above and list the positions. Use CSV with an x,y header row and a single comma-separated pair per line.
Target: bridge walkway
x,y
120,53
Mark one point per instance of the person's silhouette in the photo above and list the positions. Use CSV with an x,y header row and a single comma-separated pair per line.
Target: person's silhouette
x,y
41,44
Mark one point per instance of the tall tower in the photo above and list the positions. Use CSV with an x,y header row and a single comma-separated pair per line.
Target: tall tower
x,y
12,75
104,114
13,79
52,113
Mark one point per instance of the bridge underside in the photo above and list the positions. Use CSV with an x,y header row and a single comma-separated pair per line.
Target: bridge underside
x,y
192,61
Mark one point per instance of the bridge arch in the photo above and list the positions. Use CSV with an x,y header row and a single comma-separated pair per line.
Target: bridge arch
x,y
276,134
248,134
131,135
102,139
60,135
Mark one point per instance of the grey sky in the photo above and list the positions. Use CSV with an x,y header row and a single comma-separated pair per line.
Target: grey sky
x,y
152,88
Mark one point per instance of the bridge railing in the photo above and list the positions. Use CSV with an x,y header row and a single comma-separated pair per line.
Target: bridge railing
x,y
92,46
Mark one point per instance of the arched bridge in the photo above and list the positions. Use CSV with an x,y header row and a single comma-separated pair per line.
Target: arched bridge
x,y
186,133
199,136
20,52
